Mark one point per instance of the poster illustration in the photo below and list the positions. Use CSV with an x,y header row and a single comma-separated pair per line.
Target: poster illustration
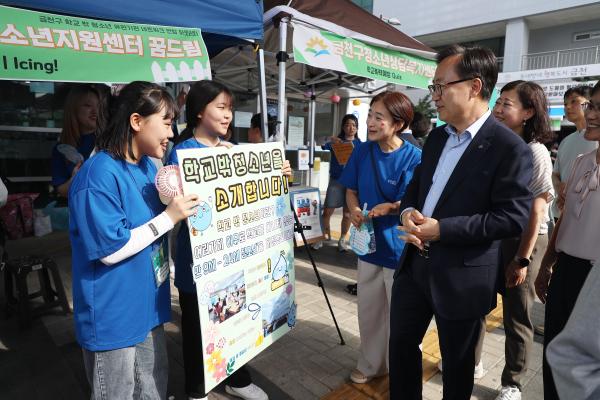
x,y
243,255
308,209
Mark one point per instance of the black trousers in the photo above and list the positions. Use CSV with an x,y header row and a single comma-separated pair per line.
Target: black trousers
x,y
568,277
192,350
411,312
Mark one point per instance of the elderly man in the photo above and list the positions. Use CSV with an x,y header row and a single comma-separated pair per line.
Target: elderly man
x,y
470,191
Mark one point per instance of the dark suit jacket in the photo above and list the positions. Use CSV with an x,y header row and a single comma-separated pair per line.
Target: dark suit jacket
x,y
486,199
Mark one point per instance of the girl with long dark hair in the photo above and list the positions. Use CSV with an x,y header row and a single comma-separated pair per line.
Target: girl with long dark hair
x,y
121,293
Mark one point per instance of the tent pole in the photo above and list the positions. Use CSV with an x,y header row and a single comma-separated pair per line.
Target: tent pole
x,y
260,55
281,60
313,112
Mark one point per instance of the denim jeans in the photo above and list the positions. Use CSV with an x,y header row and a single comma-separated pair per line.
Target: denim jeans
x,y
136,372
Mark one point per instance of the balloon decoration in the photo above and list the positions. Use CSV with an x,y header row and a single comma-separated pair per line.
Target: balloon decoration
x,y
335,98
356,102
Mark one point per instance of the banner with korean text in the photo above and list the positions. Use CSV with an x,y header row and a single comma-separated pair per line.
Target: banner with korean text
x,y
242,249
328,50
48,47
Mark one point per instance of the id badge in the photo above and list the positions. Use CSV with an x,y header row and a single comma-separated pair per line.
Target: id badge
x,y
160,263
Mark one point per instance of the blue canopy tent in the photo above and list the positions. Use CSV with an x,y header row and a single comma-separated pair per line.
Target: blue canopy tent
x,y
223,23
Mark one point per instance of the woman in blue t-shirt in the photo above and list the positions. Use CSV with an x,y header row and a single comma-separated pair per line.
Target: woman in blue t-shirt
x,y
376,176
121,293
209,112
77,137
336,193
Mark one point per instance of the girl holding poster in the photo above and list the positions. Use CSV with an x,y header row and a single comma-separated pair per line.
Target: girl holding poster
x,y
209,112
121,293
336,193
376,178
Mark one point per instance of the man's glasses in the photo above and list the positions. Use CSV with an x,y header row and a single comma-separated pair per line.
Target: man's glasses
x,y
590,107
437,88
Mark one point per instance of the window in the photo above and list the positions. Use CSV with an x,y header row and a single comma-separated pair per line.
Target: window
x,y
591,35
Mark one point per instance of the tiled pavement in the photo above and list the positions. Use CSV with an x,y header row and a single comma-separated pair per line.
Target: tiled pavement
x,y
308,363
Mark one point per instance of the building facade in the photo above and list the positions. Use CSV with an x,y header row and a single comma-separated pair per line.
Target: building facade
x,y
555,43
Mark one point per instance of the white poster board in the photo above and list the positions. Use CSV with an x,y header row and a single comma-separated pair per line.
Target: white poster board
x,y
242,248
295,131
307,204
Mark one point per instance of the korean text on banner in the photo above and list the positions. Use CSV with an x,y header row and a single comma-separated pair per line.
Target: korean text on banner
x,y
48,47
330,51
242,248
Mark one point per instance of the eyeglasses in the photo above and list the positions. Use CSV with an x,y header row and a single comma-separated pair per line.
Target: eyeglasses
x,y
590,107
437,88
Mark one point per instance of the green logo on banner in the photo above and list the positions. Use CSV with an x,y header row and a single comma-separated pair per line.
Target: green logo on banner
x,y
316,46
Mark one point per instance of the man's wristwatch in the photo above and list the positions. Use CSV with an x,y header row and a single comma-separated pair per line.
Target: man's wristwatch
x,y
522,261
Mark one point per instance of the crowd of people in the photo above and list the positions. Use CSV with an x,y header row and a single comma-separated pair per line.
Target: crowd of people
x,y
471,209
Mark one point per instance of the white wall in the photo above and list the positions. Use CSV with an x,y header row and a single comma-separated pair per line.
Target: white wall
x,y
561,37
430,16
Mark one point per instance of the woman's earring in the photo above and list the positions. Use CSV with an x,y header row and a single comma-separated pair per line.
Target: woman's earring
x,y
524,122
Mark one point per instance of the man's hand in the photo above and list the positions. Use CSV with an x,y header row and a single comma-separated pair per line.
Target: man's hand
x,y
541,284
514,274
410,227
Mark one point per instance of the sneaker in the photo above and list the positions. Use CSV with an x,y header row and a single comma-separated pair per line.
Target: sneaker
x,y
477,374
479,371
509,393
342,246
250,392
316,246
358,377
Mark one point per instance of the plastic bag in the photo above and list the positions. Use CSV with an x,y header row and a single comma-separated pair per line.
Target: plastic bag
x,y
362,240
42,224
17,215
58,215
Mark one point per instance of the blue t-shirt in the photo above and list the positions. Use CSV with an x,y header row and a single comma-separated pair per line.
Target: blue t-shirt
x,y
183,259
335,168
115,306
394,172
63,168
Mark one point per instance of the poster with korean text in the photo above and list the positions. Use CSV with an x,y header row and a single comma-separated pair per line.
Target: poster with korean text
x,y
242,248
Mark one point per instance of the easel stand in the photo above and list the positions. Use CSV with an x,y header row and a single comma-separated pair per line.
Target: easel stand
x,y
298,227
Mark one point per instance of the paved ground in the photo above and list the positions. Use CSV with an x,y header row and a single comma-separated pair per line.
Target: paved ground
x,y
309,363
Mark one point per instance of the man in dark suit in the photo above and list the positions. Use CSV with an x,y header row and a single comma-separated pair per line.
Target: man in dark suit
x,y
469,191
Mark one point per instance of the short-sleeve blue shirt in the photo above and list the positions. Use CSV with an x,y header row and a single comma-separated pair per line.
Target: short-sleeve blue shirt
x,y
335,168
115,306
63,168
183,258
394,172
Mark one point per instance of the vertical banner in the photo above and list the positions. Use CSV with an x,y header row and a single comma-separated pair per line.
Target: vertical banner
x,y
47,47
242,248
307,203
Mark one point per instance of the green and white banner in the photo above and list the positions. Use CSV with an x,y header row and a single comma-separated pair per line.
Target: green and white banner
x,y
48,47
330,51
